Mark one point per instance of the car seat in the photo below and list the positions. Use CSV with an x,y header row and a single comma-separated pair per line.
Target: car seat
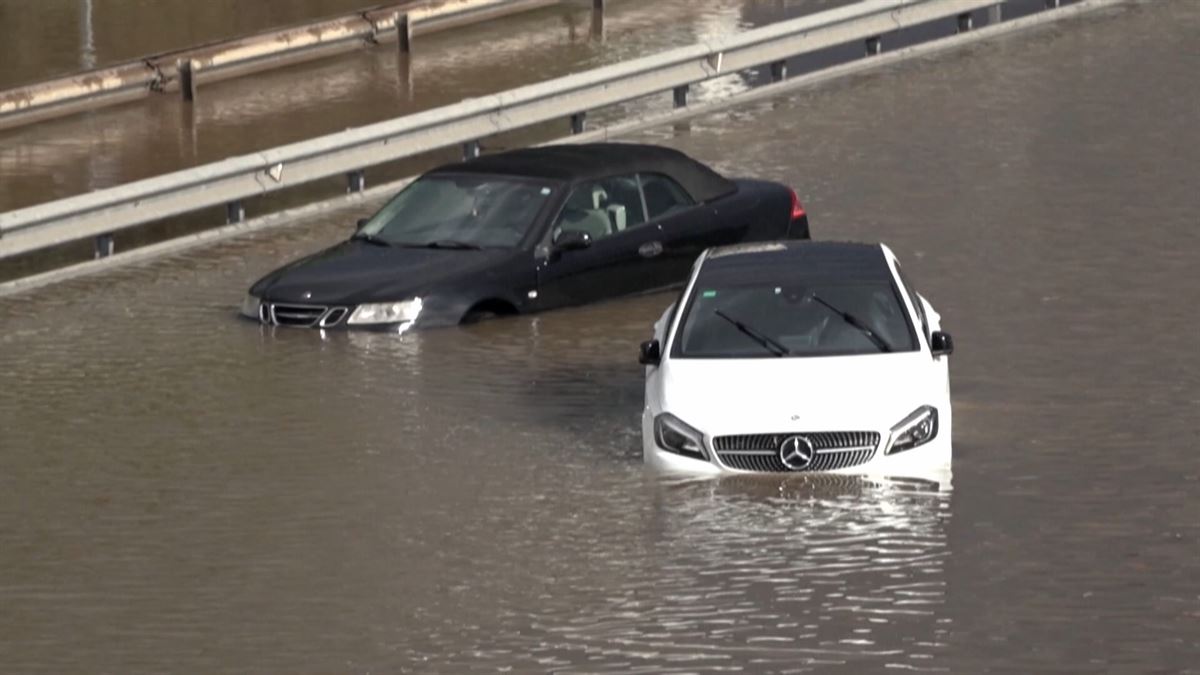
x,y
585,212
616,215
592,221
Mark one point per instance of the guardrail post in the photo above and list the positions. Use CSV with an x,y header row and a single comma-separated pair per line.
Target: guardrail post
x,y
965,22
404,74
995,14
578,121
356,181
471,149
103,246
779,71
403,34
187,78
681,95
874,46
598,18
235,212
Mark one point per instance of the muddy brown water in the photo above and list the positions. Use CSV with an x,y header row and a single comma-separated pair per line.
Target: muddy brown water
x,y
116,145
184,492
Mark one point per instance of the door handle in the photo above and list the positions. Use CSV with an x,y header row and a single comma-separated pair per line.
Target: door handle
x,y
650,249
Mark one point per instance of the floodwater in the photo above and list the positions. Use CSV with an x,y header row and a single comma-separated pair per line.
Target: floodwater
x,y
116,145
183,492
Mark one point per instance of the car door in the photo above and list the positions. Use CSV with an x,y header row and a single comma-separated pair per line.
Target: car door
x,y
685,227
622,252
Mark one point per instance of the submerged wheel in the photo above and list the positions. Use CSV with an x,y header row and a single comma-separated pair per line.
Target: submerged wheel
x,y
477,315
488,309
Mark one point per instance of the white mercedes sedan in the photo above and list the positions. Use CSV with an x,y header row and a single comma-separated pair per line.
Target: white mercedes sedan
x,y
798,357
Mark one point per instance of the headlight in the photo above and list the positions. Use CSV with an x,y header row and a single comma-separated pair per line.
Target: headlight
x,y
673,435
915,430
386,312
251,306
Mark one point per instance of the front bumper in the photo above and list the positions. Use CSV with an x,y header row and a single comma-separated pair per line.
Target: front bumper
x,y
930,457
319,316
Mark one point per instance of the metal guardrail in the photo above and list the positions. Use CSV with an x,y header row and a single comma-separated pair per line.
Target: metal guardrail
x,y
184,70
348,153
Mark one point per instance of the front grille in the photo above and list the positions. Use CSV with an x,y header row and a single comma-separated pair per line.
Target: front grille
x,y
284,314
760,452
823,440
334,317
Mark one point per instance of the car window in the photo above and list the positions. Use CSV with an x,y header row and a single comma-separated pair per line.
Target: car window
x,y
485,211
602,208
915,299
798,317
663,195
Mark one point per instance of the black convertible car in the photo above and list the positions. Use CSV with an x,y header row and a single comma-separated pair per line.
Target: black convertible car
x,y
525,231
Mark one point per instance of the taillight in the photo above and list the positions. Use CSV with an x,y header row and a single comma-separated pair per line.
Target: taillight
x,y
797,207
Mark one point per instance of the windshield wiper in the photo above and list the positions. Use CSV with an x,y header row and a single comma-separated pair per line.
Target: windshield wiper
x,y
453,244
371,239
857,323
766,342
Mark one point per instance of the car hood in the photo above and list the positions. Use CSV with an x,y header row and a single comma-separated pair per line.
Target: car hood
x,y
354,272
769,395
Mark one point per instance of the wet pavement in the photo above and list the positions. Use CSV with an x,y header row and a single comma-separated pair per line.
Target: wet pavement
x,y
181,491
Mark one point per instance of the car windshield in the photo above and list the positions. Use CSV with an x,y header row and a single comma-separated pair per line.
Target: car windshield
x,y
458,211
811,319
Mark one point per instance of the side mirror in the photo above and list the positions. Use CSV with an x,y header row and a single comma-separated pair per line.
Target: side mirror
x,y
941,343
572,240
362,222
651,353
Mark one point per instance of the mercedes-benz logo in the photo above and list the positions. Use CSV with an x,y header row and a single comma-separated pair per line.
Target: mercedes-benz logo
x,y
796,453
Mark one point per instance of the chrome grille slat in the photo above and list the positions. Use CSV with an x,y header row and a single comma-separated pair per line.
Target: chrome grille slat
x,y
333,317
291,314
760,452
296,315
855,448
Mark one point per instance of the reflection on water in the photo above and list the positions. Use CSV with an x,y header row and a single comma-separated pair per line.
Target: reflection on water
x,y
751,575
181,491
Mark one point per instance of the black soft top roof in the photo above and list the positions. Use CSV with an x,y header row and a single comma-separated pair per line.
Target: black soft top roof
x,y
795,261
573,163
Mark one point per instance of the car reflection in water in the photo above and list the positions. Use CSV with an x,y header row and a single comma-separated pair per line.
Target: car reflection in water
x,y
797,570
